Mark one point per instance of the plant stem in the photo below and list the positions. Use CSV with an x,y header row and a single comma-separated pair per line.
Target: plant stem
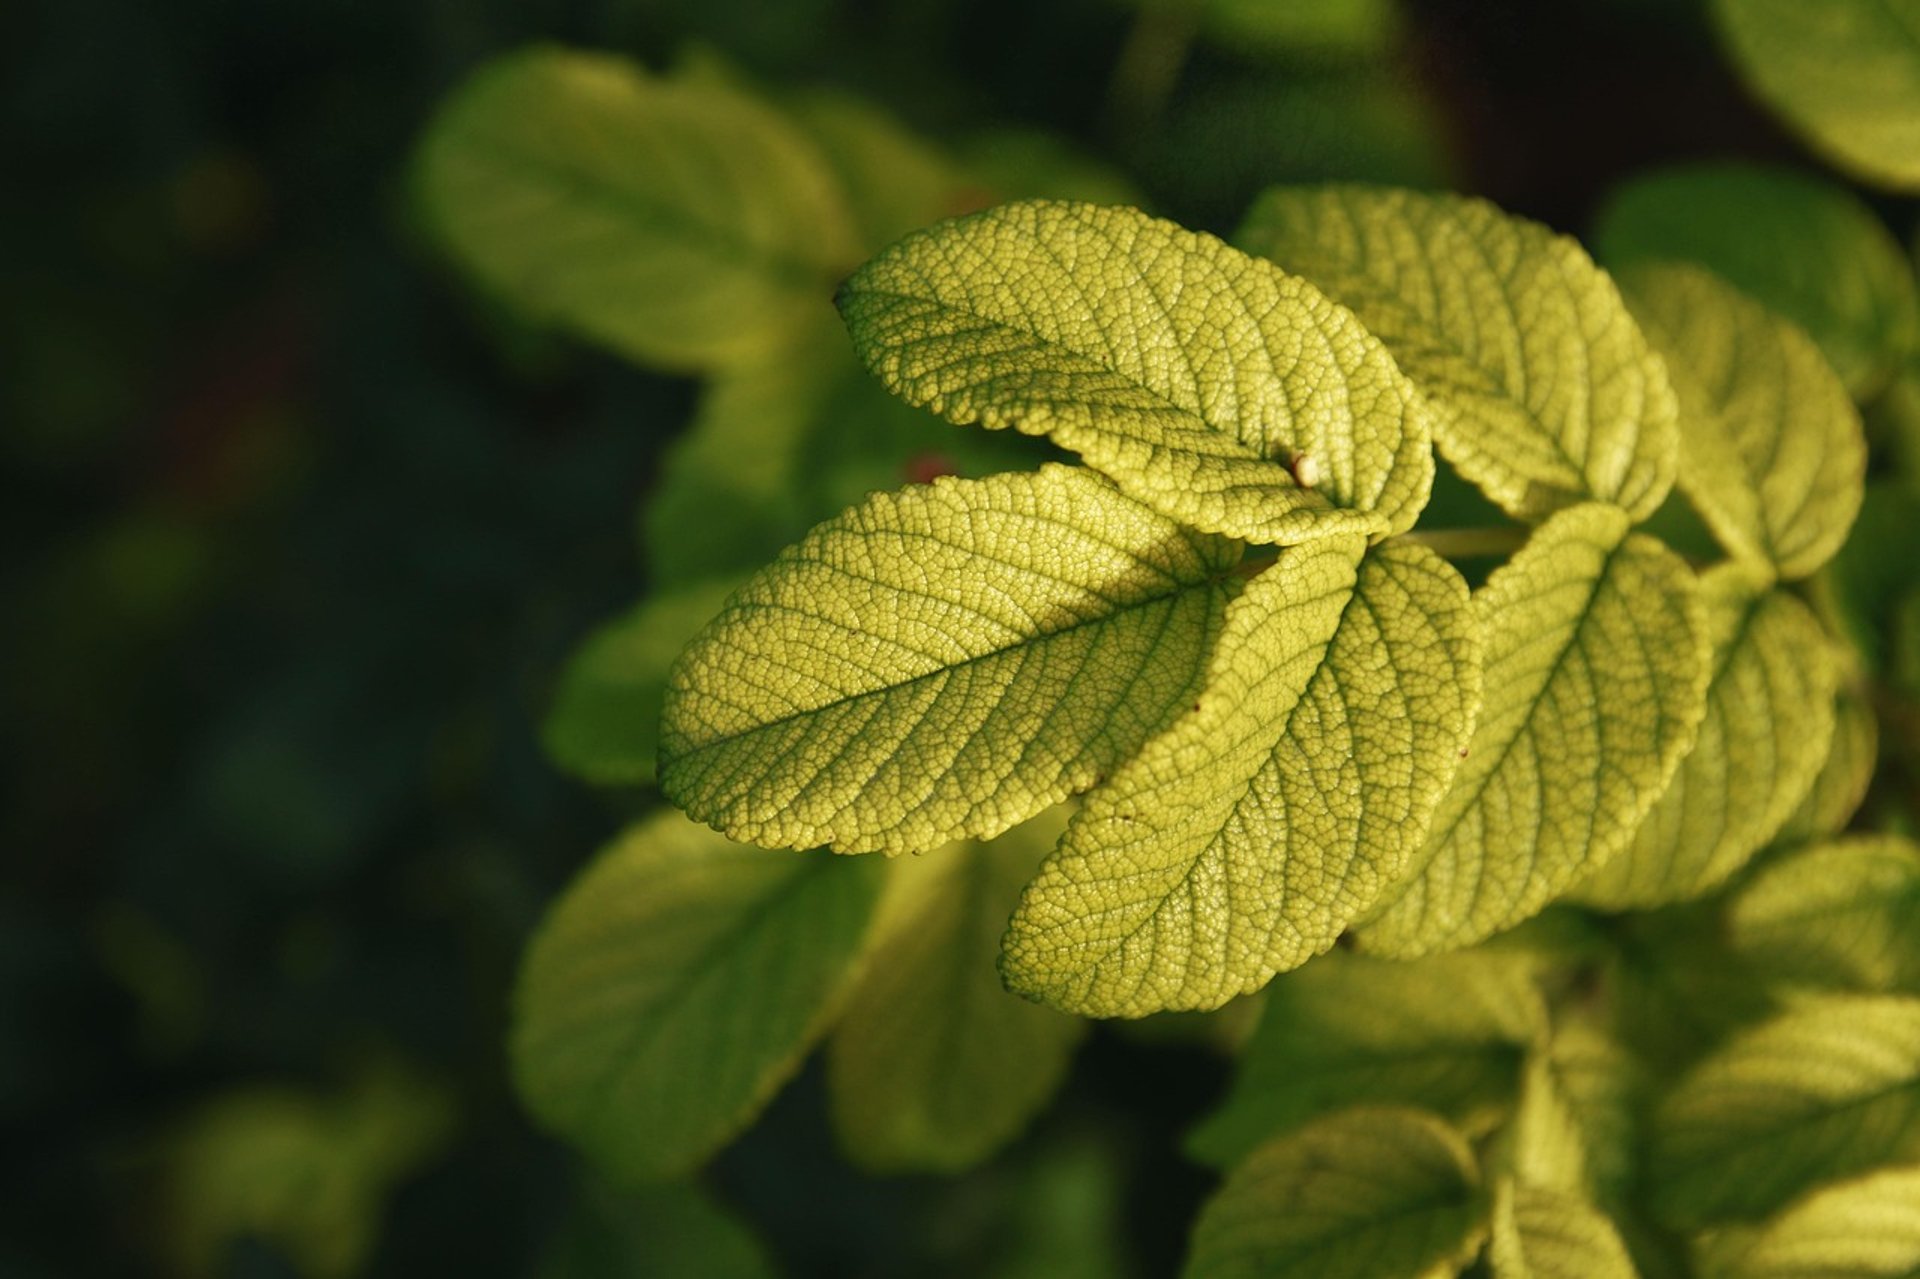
x,y
1468,543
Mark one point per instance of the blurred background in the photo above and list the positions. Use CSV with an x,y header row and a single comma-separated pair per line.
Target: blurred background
x,y
298,538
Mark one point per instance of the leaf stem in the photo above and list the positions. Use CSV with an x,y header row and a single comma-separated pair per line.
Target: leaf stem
x,y
1468,543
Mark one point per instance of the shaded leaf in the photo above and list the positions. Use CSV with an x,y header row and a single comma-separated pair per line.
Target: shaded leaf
x,y
934,1065
1595,682
942,662
1544,391
1362,1194
1773,455
1824,1091
1447,1035
1192,375
1554,1234
1768,727
661,1232
1243,840
1867,1228
1577,1127
1844,914
675,985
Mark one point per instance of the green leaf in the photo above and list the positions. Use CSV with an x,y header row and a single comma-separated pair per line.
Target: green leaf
x,y
1301,29
661,1232
1242,841
1804,246
934,1066
1596,675
681,223
1827,1090
1866,1228
1774,455
1447,1035
1552,1234
1544,390
675,985
1841,785
1769,725
1038,164
604,724
943,663
1577,1126
895,181
1362,1194
1845,914
1194,376
1845,74
1861,590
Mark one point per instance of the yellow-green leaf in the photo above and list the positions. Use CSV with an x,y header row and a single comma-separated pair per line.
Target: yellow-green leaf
x,y
1773,454
1866,1228
934,1065
1845,74
895,182
1827,1090
604,724
1595,679
676,985
1209,385
1362,1194
1544,391
1242,841
1845,914
1803,245
1553,1234
1768,727
680,222
1576,1129
1841,785
942,663
1447,1035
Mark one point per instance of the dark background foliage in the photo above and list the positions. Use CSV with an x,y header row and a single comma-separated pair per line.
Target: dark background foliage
x,y
297,537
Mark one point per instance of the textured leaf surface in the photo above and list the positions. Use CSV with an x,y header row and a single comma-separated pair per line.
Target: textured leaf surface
x,y
1242,841
933,1065
1190,373
1841,785
604,724
1868,1228
675,985
1363,1194
1801,245
1844,73
1773,454
1447,1035
943,662
1551,1234
1768,727
1827,1090
1595,678
1845,914
1544,390
680,223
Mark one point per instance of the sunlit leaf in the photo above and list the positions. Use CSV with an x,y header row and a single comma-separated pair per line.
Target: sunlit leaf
x,y
1554,1234
1543,389
1362,1194
1844,914
675,986
934,1065
1595,678
1867,1228
1206,384
1243,840
943,662
1841,785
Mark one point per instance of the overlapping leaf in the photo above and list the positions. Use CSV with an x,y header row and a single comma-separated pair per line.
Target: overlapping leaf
x,y
1801,245
1841,784
1773,455
1866,1228
1209,385
934,1065
1362,1194
1595,677
941,663
1844,73
1447,1035
1243,840
1576,1129
1551,1234
680,222
1768,728
1544,391
675,985
1844,914
1827,1090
